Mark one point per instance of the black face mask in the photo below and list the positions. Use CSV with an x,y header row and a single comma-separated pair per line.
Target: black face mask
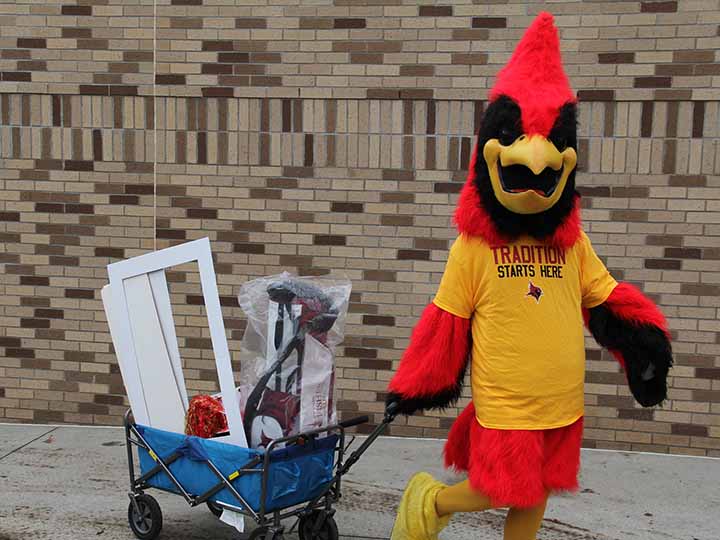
x,y
502,121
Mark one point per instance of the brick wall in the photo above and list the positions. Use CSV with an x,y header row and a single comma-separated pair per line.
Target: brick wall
x,y
320,136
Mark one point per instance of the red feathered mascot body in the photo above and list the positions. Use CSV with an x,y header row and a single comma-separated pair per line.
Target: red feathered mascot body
x,y
520,281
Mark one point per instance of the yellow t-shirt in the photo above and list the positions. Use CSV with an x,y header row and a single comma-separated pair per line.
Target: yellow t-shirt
x,y
525,300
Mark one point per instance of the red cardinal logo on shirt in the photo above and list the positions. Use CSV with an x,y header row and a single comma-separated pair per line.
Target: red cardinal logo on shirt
x,y
534,291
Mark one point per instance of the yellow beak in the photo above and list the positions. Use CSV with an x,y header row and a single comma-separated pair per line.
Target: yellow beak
x,y
536,153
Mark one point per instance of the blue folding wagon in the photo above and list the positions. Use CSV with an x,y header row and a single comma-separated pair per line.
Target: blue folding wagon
x,y
296,478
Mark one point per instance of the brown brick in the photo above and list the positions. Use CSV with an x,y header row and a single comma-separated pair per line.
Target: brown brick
x,y
217,45
355,352
93,44
329,240
93,90
700,289
470,34
16,77
19,353
447,187
247,247
298,172
9,341
663,264
377,320
369,363
664,240
14,54
216,91
9,216
124,199
201,213
103,399
81,11
689,429
52,208
436,11
34,323
413,254
469,58
85,294
115,253
596,95
169,78
349,23
658,7
236,80
250,22
417,71
670,70
396,220
489,22
31,43
39,281
357,208
683,253
379,275
652,82
616,58
694,56
138,56
366,58
707,373
171,234
216,69
79,208
50,313
416,93
296,260
186,2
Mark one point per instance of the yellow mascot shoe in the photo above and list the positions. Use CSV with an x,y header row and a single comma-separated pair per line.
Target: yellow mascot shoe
x,y
417,518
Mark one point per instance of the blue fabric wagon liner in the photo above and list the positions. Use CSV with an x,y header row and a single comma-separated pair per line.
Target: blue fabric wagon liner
x,y
295,475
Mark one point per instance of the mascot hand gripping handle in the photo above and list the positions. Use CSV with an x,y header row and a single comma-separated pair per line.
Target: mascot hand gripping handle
x,y
520,281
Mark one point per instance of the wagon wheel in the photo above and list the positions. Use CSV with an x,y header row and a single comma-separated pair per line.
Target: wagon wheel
x,y
314,527
216,509
146,520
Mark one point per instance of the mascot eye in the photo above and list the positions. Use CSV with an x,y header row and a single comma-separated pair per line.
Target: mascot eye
x,y
506,137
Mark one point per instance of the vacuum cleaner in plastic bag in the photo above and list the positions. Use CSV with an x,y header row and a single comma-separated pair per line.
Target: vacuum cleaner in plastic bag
x,y
287,356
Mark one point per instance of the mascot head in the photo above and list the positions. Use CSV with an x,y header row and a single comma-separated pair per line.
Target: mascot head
x,y
522,173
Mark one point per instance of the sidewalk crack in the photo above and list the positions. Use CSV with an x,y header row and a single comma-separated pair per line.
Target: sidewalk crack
x,y
11,452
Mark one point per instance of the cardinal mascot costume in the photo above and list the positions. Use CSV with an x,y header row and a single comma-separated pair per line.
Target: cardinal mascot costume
x,y
520,281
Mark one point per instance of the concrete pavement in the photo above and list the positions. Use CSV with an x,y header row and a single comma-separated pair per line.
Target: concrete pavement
x,y
64,482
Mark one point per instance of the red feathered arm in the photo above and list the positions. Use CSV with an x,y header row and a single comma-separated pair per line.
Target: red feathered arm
x,y
635,331
432,369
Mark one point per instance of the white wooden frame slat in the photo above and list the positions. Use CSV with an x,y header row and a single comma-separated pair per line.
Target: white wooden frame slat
x,y
115,298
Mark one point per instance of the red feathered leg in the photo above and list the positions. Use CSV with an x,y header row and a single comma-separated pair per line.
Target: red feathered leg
x,y
632,327
432,369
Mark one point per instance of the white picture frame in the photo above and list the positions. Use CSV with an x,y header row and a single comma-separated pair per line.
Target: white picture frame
x,y
137,305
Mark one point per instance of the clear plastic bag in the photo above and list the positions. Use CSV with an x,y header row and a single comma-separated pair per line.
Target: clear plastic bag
x,y
287,354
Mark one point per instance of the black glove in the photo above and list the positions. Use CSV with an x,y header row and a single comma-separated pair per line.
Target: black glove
x,y
647,364
395,404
